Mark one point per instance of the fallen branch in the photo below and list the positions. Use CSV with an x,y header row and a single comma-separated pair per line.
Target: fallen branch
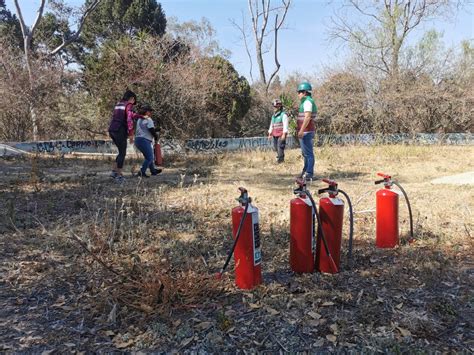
x,y
78,240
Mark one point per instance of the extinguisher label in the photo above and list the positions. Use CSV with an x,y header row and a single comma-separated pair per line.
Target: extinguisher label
x,y
336,201
257,253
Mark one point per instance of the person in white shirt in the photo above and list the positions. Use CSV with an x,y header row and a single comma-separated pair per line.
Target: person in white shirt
x,y
305,126
278,130
144,134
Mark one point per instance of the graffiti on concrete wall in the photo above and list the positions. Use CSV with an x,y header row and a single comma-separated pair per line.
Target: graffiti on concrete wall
x,y
66,146
228,144
400,138
199,145
255,142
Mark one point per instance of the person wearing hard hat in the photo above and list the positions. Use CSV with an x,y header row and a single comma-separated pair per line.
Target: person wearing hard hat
x,y
305,127
278,130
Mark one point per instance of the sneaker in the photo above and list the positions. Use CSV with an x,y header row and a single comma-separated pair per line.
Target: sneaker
x,y
156,171
142,174
308,177
119,179
113,174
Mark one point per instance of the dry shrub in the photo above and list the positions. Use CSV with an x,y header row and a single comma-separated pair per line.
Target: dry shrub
x,y
192,96
407,104
49,87
257,120
342,104
416,104
135,270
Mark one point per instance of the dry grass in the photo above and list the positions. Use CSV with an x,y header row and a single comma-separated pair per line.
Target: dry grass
x,y
145,281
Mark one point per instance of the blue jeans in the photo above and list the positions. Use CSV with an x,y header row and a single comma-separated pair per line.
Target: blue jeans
x,y
306,144
144,146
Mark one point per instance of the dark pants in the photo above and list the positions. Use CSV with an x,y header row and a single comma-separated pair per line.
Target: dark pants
x,y
120,140
279,147
144,146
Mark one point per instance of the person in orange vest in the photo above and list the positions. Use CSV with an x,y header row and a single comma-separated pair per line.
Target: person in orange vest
x,y
305,127
278,130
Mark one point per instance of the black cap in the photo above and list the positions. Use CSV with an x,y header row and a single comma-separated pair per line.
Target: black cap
x,y
146,107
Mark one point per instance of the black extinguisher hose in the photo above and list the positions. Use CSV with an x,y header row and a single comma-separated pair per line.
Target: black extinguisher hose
x,y
409,208
351,224
320,229
229,256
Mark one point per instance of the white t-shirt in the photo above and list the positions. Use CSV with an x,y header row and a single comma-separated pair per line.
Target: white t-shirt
x,y
143,124
307,106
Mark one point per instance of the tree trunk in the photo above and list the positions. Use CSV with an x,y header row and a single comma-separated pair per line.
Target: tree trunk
x,y
260,63
31,105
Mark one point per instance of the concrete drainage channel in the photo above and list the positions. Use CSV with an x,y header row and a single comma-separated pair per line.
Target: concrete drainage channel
x,y
458,179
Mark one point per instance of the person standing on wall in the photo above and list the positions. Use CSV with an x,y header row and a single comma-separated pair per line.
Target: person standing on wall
x,y
305,126
145,133
121,127
278,130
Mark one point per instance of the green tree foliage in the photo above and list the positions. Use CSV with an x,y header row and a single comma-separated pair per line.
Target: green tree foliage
x,y
114,18
10,26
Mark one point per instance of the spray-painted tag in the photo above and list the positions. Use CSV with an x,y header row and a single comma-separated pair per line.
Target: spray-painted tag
x,y
257,253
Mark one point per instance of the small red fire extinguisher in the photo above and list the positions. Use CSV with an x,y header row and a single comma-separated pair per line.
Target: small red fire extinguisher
x,y
331,212
246,247
158,155
386,220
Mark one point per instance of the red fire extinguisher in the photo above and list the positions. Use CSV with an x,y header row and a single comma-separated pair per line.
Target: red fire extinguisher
x,y
386,201
331,212
302,236
158,155
246,247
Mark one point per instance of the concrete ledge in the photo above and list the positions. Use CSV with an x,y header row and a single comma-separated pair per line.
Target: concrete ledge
x,y
231,144
459,179
8,151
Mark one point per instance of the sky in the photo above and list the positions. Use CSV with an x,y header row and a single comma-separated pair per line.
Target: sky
x,y
303,46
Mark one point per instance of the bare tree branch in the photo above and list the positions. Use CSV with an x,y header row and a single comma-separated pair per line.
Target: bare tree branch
x,y
76,34
387,26
244,38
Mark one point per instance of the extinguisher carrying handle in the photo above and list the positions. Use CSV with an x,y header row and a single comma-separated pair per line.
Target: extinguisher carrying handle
x,y
244,196
301,189
330,182
321,191
379,181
